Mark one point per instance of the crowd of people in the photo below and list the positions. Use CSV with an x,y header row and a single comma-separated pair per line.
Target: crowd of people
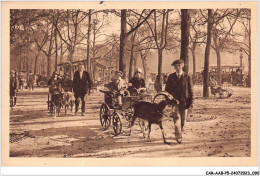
x,y
178,84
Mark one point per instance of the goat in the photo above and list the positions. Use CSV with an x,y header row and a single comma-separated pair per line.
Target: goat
x,y
67,100
153,113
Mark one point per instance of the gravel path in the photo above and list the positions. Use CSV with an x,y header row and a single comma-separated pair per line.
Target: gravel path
x,y
216,128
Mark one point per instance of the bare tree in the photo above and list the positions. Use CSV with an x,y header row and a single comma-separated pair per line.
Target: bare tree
x,y
137,38
21,21
68,29
197,35
207,54
160,37
47,30
221,33
124,35
99,23
245,20
143,54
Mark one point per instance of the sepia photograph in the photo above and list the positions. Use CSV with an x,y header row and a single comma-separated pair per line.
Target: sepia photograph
x,y
130,82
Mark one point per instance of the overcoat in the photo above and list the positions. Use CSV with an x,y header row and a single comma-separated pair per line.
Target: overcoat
x,y
181,89
81,86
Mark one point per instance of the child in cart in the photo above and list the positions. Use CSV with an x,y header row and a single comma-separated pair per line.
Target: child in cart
x,y
119,87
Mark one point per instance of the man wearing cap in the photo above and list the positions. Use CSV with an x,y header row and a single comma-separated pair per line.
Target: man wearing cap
x,y
179,85
81,86
137,81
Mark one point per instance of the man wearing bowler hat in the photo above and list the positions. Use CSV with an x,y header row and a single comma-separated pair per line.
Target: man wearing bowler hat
x,y
179,85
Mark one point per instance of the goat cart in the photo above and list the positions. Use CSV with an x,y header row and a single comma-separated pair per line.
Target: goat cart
x,y
56,101
111,112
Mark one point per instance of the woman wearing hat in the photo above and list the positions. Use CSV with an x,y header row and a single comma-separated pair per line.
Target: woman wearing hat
x,y
137,81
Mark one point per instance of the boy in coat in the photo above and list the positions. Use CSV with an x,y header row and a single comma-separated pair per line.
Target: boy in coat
x,y
179,85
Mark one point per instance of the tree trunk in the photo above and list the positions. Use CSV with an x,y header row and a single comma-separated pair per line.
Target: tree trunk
x,y
185,34
20,56
160,58
56,49
131,64
88,41
135,61
48,67
144,65
27,64
123,38
93,69
61,54
27,69
194,61
207,56
35,63
219,75
217,50
70,54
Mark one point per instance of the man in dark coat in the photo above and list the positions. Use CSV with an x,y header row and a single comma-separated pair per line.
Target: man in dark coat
x,y
81,86
179,85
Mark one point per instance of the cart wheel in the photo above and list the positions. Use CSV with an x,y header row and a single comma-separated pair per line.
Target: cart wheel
x,y
105,116
41,84
128,116
117,125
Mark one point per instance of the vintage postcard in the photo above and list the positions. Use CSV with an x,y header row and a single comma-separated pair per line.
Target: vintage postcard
x,y
129,83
